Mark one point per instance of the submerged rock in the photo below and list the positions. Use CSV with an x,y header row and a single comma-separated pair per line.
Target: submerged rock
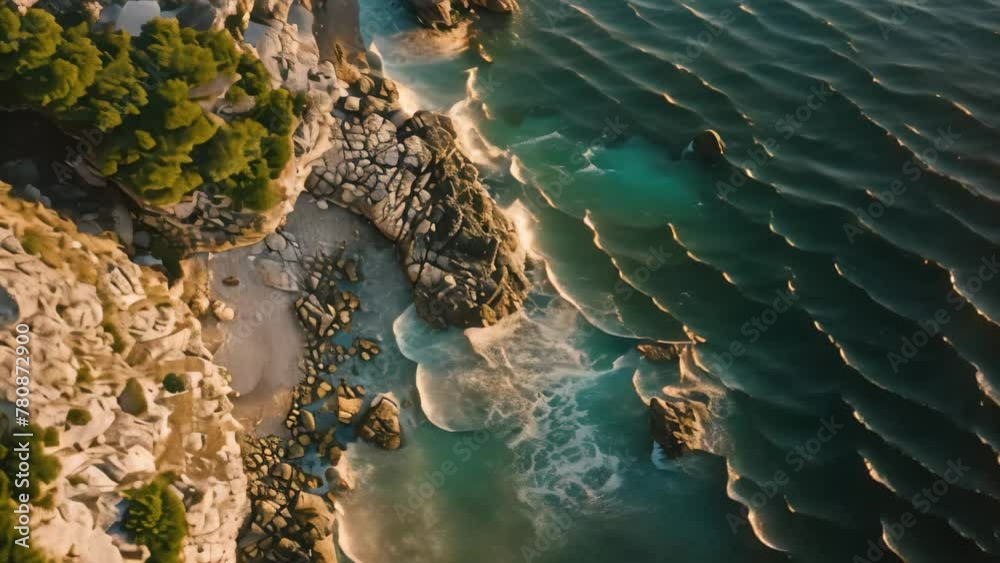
x,y
433,13
708,146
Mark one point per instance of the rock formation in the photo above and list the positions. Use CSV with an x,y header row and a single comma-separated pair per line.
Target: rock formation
x,y
661,352
446,13
708,146
103,328
408,176
287,523
674,425
381,424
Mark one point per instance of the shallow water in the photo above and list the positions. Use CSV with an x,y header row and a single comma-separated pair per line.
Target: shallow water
x,y
836,274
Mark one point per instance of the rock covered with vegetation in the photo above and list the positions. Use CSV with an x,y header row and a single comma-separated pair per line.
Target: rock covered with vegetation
x,y
146,97
106,337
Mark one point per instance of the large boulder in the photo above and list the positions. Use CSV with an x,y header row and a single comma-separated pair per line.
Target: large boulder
x,y
660,351
673,425
381,424
433,13
708,146
447,13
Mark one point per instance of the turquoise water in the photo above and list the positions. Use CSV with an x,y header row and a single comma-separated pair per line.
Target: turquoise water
x,y
835,274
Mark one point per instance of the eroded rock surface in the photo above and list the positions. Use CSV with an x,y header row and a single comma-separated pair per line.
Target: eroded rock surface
x,y
446,13
674,425
381,424
104,334
408,176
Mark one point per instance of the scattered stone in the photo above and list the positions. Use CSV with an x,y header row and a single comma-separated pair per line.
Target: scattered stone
x,y
223,312
275,242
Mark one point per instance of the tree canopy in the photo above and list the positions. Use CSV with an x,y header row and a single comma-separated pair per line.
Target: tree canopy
x,y
155,518
157,137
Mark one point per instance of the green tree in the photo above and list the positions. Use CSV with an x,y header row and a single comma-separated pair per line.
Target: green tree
x,y
155,517
232,149
158,140
66,75
254,78
169,52
277,152
117,91
36,37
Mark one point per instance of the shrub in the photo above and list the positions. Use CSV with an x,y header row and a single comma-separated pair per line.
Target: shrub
x,y
78,417
51,437
84,375
173,383
43,468
155,518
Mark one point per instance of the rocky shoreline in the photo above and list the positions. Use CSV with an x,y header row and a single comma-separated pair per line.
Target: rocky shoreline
x,y
128,346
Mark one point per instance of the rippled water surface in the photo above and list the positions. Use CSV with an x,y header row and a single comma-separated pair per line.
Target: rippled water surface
x,y
837,276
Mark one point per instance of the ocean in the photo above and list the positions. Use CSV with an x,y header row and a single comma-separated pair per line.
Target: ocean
x,y
836,278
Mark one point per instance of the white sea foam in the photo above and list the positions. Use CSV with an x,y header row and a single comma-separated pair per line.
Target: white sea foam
x,y
465,115
521,379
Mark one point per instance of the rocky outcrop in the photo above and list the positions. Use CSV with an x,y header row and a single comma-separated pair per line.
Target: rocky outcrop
x,y
674,425
288,523
708,146
204,221
381,424
408,176
446,13
661,352
104,334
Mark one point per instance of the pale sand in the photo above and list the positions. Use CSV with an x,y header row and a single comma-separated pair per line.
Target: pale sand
x,y
264,343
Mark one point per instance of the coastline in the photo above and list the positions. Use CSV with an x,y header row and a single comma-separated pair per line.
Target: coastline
x,y
273,311
311,227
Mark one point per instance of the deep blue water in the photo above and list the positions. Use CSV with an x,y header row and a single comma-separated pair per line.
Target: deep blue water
x,y
837,276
